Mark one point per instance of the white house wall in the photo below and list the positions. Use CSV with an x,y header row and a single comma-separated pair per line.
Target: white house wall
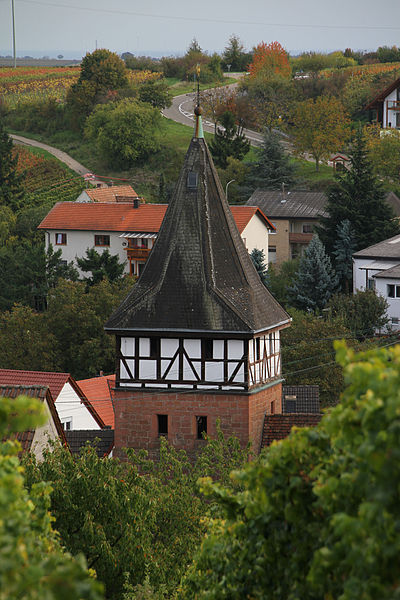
x,y
79,241
391,114
255,235
360,275
43,434
393,311
71,409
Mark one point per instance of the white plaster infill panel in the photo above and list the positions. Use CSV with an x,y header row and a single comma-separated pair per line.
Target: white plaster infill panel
x,y
69,405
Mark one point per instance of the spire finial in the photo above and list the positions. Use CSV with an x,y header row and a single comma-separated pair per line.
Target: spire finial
x,y
198,128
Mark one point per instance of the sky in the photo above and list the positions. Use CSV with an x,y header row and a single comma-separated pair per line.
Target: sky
x,y
166,27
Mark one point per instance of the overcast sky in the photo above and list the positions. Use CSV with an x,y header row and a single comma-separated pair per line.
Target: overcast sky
x,y
164,27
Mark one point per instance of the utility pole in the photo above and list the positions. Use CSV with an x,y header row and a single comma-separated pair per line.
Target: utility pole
x,y
13,25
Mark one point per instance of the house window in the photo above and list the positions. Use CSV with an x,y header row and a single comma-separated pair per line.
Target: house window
x,y
272,254
371,284
395,320
192,180
273,231
154,347
201,427
101,240
307,228
257,348
393,291
207,344
61,239
272,407
67,423
162,425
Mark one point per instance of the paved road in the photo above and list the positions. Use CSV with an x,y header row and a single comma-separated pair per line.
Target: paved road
x,y
63,156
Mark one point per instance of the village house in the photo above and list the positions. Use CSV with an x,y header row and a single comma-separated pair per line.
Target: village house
x,y
73,408
129,228
36,440
385,107
378,268
294,215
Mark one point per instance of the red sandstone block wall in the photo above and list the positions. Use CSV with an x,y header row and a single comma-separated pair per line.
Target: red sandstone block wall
x,y
136,423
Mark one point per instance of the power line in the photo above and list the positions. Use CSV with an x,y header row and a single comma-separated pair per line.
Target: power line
x,y
208,20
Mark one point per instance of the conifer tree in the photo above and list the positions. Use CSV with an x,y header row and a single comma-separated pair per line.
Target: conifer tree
x,y
344,249
101,266
258,258
272,167
11,189
315,281
359,197
229,141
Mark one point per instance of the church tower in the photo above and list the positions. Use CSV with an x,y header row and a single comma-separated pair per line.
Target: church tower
x,y
198,336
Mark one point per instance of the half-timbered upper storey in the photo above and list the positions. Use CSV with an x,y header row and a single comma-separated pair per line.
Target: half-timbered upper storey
x,y
199,316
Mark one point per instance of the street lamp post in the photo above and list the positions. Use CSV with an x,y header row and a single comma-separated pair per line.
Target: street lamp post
x,y
226,187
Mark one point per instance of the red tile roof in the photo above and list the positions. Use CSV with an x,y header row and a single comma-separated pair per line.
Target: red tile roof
x,y
147,218
278,427
54,381
41,393
97,392
109,194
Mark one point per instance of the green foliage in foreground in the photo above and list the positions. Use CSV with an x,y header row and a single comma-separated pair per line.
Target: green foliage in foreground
x,y
138,523
33,564
319,515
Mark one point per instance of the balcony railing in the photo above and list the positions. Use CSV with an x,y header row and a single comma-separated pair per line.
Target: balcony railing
x,y
300,238
142,253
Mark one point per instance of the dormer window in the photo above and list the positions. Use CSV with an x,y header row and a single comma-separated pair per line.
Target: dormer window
x,y
192,180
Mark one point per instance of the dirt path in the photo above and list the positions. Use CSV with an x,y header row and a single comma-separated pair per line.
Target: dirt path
x,y
62,156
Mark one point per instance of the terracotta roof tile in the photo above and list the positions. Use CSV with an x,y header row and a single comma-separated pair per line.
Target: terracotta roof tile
x,y
147,218
97,392
109,194
278,427
54,381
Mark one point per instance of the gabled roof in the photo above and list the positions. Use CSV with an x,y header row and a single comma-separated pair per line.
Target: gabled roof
x,y
109,194
392,273
98,394
199,276
294,205
101,439
387,249
41,393
123,217
54,381
278,427
383,94
305,399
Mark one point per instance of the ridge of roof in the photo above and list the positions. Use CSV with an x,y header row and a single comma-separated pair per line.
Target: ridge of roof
x,y
389,249
199,275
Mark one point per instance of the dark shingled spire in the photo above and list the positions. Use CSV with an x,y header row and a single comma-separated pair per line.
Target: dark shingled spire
x,y
199,275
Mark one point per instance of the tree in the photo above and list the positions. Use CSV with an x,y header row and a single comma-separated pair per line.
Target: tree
x,y
101,71
156,93
270,96
311,62
280,279
137,522
101,265
33,563
315,280
228,142
272,166
234,55
384,153
318,511
258,258
270,58
319,127
11,184
344,249
363,313
359,197
125,132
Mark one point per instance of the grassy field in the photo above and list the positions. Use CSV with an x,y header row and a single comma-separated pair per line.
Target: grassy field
x,y
178,87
